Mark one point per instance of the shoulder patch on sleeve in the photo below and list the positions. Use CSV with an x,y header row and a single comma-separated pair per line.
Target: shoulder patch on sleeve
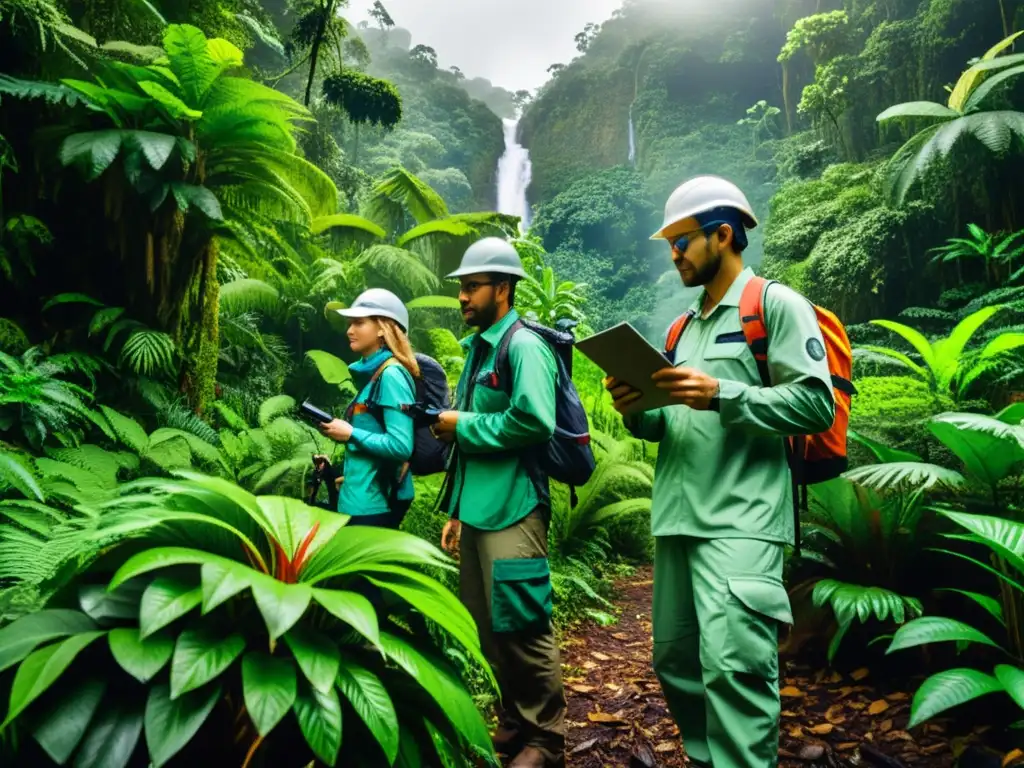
x,y
815,349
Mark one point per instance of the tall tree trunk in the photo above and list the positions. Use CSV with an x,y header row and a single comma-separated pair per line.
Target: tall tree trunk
x,y
317,42
202,379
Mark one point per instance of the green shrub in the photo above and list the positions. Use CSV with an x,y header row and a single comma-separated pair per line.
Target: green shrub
x,y
894,410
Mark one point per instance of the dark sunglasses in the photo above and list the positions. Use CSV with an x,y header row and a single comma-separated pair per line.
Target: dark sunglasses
x,y
682,242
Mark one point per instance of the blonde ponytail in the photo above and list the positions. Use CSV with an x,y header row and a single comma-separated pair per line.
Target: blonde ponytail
x,y
397,341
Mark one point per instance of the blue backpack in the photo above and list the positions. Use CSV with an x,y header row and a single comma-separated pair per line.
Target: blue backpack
x,y
567,457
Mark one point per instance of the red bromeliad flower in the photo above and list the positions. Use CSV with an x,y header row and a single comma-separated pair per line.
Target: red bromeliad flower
x,y
286,569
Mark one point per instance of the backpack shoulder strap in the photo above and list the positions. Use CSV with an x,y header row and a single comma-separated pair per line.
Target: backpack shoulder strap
x,y
675,333
502,369
373,385
755,329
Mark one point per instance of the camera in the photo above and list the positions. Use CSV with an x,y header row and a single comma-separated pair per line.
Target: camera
x,y
309,411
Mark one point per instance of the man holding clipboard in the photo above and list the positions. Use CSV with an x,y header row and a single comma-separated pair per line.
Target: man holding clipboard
x,y
722,507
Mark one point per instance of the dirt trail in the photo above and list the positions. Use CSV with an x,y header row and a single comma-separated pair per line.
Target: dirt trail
x,y
617,716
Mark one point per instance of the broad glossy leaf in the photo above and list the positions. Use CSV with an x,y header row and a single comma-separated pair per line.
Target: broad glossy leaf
x,y
444,228
1012,414
155,147
140,657
918,109
434,302
222,581
332,369
369,698
280,604
982,92
164,601
899,357
914,337
897,474
949,689
318,656
968,81
269,687
990,604
353,609
20,638
42,668
171,724
319,716
201,656
936,629
362,547
94,151
435,602
121,603
191,63
882,452
989,448
401,266
443,687
347,223
291,520
113,736
224,53
1012,680
61,729
1004,537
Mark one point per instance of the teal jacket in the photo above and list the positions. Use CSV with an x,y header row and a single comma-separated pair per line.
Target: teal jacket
x,y
372,451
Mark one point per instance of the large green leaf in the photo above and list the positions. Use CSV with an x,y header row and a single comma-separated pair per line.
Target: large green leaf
x,y
93,151
200,656
128,431
449,693
982,92
319,716
1012,680
915,338
883,453
936,629
291,521
332,369
42,668
191,63
164,601
171,723
176,108
269,687
990,449
1002,536
61,729
949,689
434,302
989,604
140,657
948,351
401,267
968,81
280,604
112,737
918,109
904,474
19,639
400,193
121,603
14,473
450,228
340,224
353,609
222,581
362,547
369,698
318,656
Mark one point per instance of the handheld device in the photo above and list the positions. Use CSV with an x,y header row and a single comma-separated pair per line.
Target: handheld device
x,y
311,412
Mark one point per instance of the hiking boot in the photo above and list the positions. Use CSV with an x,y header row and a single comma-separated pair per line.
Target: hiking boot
x,y
507,740
530,757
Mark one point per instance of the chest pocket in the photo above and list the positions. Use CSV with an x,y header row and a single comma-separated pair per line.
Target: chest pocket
x,y
487,397
728,357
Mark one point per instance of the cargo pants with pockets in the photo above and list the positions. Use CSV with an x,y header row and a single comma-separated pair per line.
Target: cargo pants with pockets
x,y
505,582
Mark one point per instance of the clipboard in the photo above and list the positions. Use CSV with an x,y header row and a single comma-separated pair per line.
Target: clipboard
x,y
621,352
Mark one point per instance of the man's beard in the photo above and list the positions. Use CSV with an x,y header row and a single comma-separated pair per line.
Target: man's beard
x,y
706,273
483,317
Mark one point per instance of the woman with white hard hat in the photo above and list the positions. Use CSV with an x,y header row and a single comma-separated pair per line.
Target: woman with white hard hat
x,y
377,486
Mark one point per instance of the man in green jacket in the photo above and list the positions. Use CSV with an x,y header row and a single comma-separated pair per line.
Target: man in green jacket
x,y
499,513
722,506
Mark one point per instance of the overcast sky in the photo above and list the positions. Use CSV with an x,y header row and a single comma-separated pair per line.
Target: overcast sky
x,y
487,38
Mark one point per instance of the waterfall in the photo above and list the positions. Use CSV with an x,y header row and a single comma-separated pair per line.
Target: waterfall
x,y
632,138
514,173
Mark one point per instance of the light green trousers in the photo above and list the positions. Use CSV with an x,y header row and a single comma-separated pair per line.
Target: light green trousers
x,y
505,583
717,607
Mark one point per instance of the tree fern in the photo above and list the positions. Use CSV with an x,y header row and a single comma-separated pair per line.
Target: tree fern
x,y
149,352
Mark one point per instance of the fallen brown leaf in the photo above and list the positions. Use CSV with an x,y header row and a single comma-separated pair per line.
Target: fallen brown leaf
x,y
621,636
603,717
582,688
791,692
846,745
584,746
821,730
665,746
789,713
796,732
860,674
878,707
897,697
600,656
885,726
1012,757
894,735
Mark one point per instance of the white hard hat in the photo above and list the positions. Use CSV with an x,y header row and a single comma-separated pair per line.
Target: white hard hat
x,y
376,302
702,194
490,254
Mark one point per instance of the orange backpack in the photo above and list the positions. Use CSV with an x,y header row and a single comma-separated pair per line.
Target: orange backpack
x,y
812,458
